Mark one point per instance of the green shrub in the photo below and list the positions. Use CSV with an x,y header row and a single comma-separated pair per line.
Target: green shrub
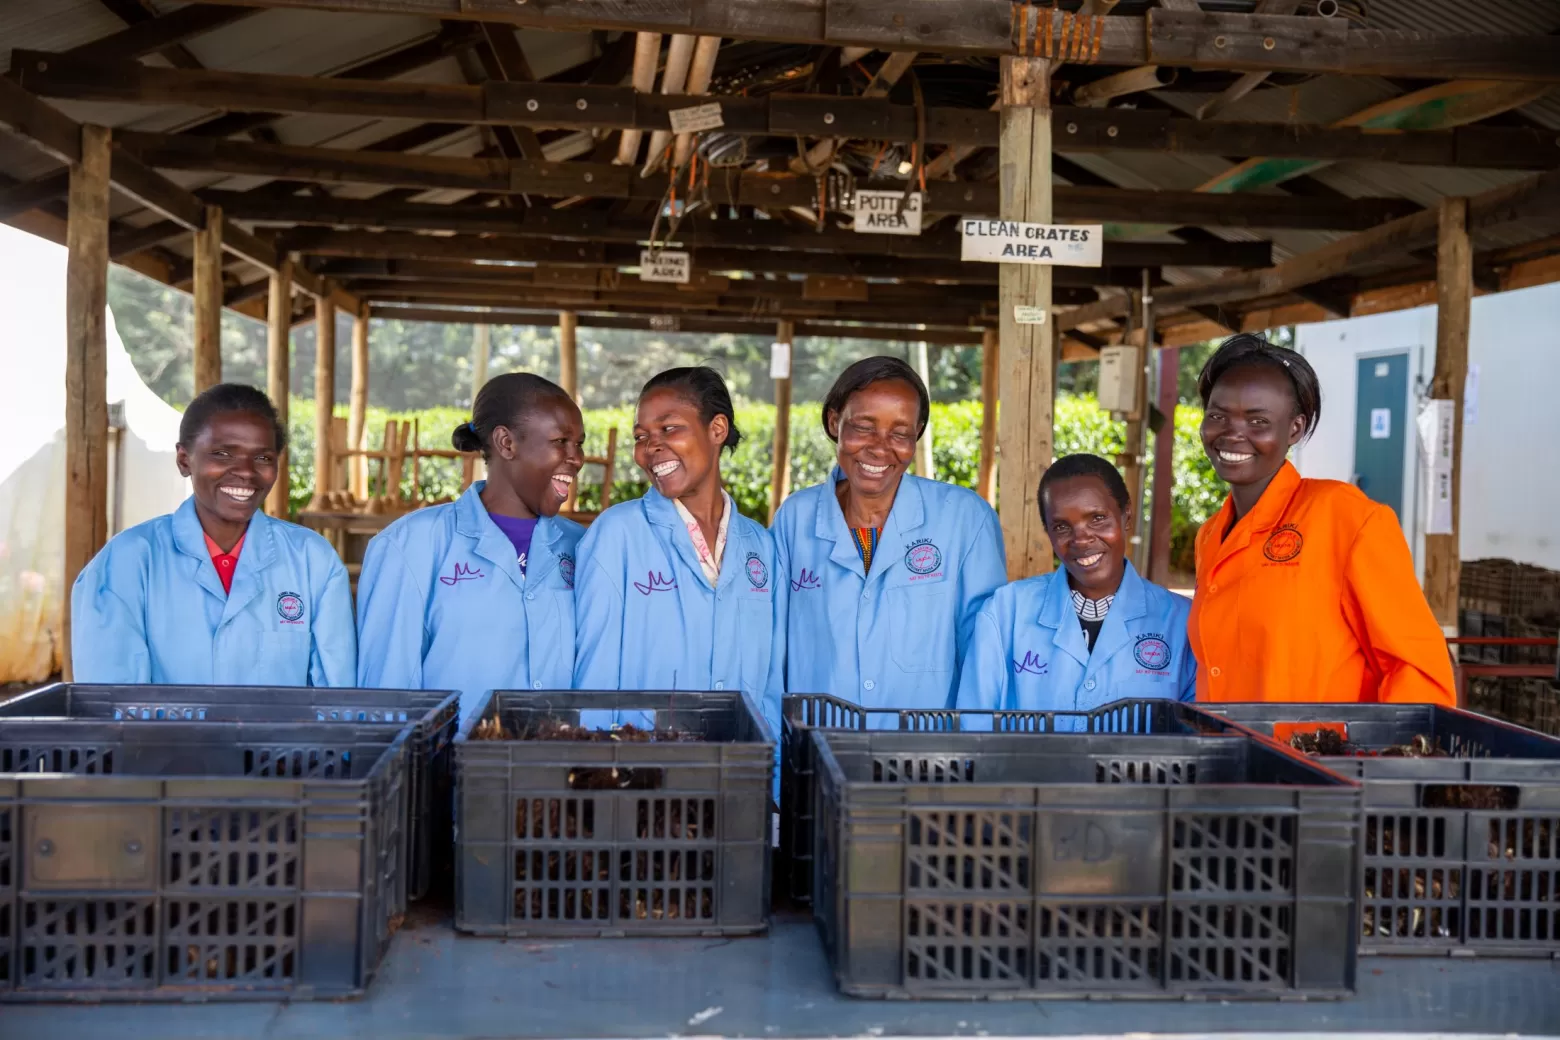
x,y
1080,427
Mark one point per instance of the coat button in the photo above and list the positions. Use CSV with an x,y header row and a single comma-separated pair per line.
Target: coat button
x,y
1214,587
869,685
536,684
1214,671
866,595
530,595
720,685
1089,685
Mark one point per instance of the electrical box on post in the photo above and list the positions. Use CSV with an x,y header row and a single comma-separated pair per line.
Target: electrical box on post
x,y
1119,370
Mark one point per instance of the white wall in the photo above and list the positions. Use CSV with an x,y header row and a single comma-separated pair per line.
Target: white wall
x,y
1511,436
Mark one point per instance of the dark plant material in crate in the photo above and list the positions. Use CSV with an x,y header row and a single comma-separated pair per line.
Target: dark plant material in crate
x,y
803,713
432,713
569,824
1067,865
210,861
1461,842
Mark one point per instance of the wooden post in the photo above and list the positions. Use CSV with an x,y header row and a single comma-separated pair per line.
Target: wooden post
x,y
1164,468
1027,383
986,482
780,483
1135,449
86,366
568,355
481,350
324,396
1454,290
357,413
208,301
278,381
924,464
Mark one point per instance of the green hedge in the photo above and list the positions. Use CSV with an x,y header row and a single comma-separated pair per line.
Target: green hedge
x,y
1080,427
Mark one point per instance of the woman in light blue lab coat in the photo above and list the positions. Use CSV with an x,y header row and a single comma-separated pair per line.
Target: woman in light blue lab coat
x,y
885,570
1091,633
217,593
677,590
478,594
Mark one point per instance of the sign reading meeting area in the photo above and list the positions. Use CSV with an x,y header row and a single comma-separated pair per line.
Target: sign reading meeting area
x,y
665,265
1009,242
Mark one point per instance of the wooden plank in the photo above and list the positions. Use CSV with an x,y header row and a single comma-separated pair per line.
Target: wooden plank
x,y
1454,296
23,196
780,457
990,363
1027,355
208,302
86,362
43,126
159,34
357,408
129,241
568,353
278,361
324,398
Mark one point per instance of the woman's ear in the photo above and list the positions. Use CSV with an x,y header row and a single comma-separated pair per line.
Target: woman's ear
x,y
505,445
720,429
831,423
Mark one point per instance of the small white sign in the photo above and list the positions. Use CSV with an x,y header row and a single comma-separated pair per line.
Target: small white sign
x,y
888,213
1010,242
1380,424
1029,315
665,265
780,361
1436,418
699,117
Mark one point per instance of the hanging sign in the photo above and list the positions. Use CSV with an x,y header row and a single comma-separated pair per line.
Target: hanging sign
x,y
1436,418
665,265
1009,242
699,117
1029,315
888,213
780,361
1380,424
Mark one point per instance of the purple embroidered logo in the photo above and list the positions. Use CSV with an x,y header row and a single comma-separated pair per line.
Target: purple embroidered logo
x,y
463,572
655,581
806,580
758,574
1030,665
1152,652
566,569
289,605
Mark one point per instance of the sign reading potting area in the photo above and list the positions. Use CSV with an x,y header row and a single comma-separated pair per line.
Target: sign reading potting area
x,y
888,213
665,265
1009,242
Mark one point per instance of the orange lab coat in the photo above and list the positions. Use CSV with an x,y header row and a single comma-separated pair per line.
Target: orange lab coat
x,y
1312,597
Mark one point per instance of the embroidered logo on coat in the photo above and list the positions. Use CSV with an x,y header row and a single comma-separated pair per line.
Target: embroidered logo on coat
x,y
923,557
758,574
1032,664
289,605
1152,652
655,581
806,580
463,572
1283,544
566,569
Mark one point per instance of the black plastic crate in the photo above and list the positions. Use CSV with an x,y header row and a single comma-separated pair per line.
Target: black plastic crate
x,y
211,861
803,713
958,865
432,713
1436,878
579,838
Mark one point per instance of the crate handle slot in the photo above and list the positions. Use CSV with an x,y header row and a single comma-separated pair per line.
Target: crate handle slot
x,y
1284,730
1469,796
619,778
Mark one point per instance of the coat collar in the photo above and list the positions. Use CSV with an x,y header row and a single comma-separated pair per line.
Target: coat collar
x,y
660,512
257,556
906,515
472,521
1264,516
1057,614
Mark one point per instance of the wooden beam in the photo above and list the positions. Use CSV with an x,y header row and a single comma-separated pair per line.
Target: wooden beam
x,y
129,241
278,363
159,34
506,101
135,13
324,398
357,408
208,302
1027,352
86,363
990,363
568,354
1454,292
23,196
780,477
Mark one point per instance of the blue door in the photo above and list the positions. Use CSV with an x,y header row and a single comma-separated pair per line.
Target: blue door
x,y
1381,428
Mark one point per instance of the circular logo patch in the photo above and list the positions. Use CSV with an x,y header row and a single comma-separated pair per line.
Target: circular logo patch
x,y
566,569
758,574
290,606
1152,653
923,558
1283,544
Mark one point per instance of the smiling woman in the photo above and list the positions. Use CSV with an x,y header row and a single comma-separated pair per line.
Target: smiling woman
x,y
478,594
217,593
1305,588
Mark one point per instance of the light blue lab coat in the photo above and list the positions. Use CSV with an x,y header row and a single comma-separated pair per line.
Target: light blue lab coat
x,y
647,619
894,637
150,608
1029,653
442,604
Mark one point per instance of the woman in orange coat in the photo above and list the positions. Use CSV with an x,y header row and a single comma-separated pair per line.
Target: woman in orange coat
x,y
1305,588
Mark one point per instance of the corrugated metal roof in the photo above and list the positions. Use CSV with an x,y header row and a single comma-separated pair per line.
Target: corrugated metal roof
x,y
1464,16
57,25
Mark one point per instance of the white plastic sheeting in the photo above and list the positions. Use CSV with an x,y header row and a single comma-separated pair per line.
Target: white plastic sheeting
x,y
144,482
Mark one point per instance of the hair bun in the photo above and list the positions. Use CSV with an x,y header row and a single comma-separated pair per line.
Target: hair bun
x,y
465,438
